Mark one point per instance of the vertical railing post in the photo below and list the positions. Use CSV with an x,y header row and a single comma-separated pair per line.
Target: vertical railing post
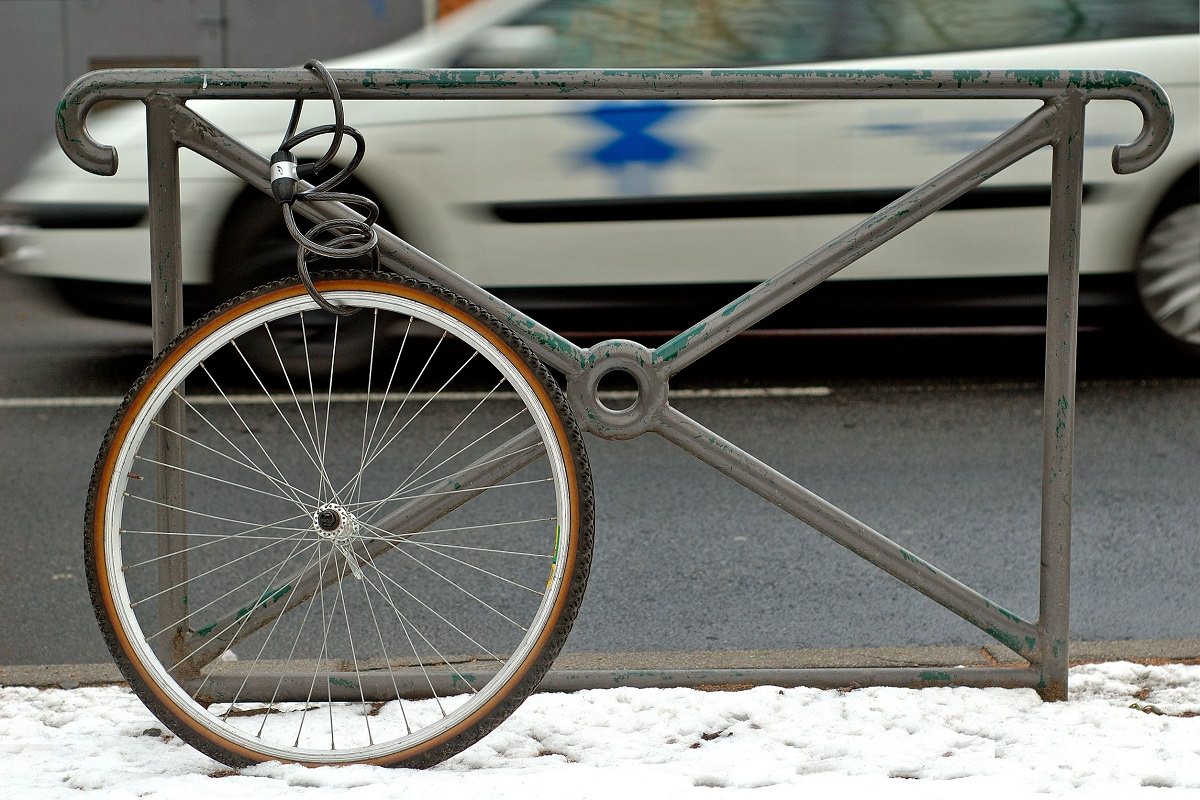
x,y
1058,412
166,287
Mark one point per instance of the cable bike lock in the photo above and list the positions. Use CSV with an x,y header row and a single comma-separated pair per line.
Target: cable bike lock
x,y
346,238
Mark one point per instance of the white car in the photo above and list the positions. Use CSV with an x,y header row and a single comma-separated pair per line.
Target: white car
x,y
605,210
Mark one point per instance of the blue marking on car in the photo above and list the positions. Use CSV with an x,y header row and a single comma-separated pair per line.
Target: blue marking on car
x,y
635,144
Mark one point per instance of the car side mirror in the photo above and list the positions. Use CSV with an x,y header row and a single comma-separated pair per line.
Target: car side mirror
x,y
511,46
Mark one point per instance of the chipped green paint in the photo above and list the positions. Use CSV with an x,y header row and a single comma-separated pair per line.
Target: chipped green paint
x,y
209,80
206,630
268,597
898,75
1060,424
736,304
275,595
1116,79
550,341
920,562
1008,640
1058,648
1004,612
1037,79
342,682
936,675
459,678
1031,643
457,79
60,115
673,348
721,445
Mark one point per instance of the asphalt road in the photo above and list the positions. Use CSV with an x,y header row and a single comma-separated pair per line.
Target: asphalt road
x,y
935,443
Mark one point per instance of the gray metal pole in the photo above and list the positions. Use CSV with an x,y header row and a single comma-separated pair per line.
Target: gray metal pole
x,y
598,84
166,285
1058,411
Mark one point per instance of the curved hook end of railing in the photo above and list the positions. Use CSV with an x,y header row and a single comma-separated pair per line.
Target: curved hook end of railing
x,y
1158,122
73,136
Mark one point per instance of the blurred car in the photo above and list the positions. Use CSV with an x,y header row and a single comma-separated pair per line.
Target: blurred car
x,y
637,215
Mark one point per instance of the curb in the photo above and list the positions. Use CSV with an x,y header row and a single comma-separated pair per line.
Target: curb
x,y
596,670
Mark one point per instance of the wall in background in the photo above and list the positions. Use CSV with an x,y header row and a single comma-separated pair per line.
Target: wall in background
x,y
46,44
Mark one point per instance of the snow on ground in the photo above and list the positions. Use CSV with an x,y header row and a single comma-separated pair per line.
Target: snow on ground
x,y
1128,731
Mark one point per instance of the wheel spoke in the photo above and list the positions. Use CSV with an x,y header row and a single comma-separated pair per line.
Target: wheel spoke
x,y
205,631
382,534
206,476
430,549
270,398
355,495
376,453
213,538
447,478
409,479
432,610
469,683
265,595
248,463
283,482
291,390
278,481
362,464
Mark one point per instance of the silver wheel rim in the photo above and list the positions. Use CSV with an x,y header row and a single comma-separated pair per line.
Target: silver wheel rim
x,y
452,717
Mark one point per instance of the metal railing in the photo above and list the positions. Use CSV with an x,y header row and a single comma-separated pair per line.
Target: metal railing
x,y
1058,123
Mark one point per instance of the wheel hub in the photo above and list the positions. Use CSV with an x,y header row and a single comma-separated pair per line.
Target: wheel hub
x,y
335,523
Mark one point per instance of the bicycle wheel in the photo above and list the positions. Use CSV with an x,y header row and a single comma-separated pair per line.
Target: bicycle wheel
x,y
368,566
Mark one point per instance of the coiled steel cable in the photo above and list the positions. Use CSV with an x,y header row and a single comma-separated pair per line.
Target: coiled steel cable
x,y
343,237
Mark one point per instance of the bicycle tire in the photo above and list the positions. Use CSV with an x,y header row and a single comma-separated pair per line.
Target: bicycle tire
x,y
478,596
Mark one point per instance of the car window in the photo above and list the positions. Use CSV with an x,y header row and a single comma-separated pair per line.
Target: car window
x,y
738,33
684,33
907,27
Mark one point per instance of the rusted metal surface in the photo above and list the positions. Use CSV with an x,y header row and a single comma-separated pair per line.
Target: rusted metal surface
x,y
1058,123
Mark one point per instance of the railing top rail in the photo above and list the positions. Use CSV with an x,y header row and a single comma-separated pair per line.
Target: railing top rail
x,y
593,84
